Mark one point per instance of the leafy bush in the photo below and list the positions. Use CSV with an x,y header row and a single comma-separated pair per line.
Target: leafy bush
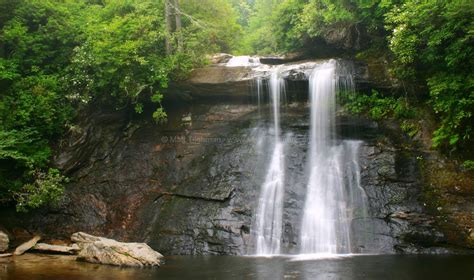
x,y
378,107
47,189
433,41
469,165
452,98
410,127
21,152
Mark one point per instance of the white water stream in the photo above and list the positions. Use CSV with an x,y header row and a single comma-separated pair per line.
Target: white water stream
x,y
334,193
270,206
334,196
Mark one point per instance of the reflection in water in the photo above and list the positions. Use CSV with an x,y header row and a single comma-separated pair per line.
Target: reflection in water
x,y
385,267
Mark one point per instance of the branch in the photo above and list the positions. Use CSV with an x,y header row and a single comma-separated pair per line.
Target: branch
x,y
195,21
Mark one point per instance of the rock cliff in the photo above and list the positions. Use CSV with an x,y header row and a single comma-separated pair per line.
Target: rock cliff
x,y
190,186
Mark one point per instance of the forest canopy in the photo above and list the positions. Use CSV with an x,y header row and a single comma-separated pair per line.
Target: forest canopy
x,y
56,56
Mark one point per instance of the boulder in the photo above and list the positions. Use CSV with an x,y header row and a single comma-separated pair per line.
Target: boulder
x,y
26,246
102,250
4,241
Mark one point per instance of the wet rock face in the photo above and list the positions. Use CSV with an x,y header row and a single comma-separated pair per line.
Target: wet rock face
x,y
192,186
135,180
398,220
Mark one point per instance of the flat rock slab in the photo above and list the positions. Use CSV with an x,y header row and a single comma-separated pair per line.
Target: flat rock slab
x,y
61,249
102,250
26,246
220,75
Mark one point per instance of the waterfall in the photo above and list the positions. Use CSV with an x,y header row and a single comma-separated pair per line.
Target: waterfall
x,y
259,93
269,215
334,196
243,61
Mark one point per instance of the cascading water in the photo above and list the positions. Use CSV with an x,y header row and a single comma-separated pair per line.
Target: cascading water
x,y
259,92
334,194
243,61
268,226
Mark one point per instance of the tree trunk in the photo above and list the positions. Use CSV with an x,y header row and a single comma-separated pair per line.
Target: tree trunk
x,y
177,18
169,27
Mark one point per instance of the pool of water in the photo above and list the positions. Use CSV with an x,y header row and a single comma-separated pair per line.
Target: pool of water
x,y
51,267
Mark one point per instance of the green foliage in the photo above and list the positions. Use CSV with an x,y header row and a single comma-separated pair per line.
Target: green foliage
x,y
469,165
243,9
431,43
259,37
319,14
287,24
21,154
378,107
122,54
436,32
452,98
35,42
23,147
56,55
35,102
278,26
214,27
410,127
47,189
434,41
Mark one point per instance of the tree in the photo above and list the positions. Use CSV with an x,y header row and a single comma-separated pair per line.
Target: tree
x,y
57,56
433,41
169,28
36,38
178,24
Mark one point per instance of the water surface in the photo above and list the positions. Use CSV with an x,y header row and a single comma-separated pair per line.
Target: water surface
x,y
386,267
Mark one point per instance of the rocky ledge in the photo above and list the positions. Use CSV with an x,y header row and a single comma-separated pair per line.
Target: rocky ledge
x,y
226,79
